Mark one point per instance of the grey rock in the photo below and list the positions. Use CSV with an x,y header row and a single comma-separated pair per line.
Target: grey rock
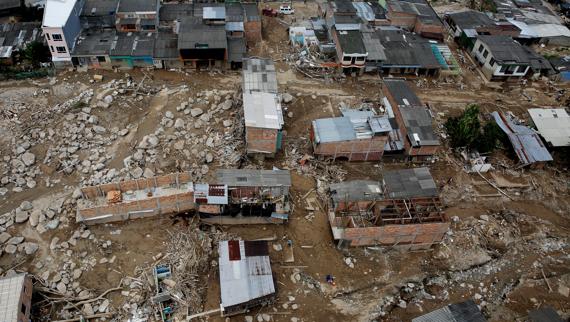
x,y
137,172
61,287
169,115
77,194
16,240
28,158
99,129
35,217
31,248
205,118
196,111
205,169
123,132
22,216
77,273
226,105
26,205
148,173
104,306
209,157
88,309
4,237
179,124
108,99
287,98
227,123
10,249
52,224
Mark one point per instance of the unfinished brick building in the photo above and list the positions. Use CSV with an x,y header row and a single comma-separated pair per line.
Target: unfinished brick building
x,y
357,136
140,198
238,197
262,108
404,211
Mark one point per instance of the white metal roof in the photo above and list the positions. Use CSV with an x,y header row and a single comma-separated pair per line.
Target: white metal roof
x,y
262,110
10,290
552,124
56,12
244,279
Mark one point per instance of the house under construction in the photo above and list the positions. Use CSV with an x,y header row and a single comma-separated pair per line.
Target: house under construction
x,y
403,210
253,197
238,197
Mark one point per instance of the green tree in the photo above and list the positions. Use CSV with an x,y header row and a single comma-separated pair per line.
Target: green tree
x,y
464,130
34,53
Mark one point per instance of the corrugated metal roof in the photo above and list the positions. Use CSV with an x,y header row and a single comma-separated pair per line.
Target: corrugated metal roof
x,y
410,183
552,124
545,314
10,293
234,26
466,311
333,129
259,75
214,13
245,279
356,190
364,11
373,46
402,92
262,110
253,178
526,143
138,6
419,127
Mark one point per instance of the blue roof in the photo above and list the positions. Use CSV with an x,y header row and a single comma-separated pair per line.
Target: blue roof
x,y
333,130
527,144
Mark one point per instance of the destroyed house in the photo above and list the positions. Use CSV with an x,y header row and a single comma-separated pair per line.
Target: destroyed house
x,y
526,143
407,53
137,15
552,124
467,25
466,311
16,298
132,199
246,279
403,210
262,107
501,57
252,197
413,118
356,136
417,16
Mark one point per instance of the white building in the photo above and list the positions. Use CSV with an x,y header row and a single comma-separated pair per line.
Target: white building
x,y
61,27
552,124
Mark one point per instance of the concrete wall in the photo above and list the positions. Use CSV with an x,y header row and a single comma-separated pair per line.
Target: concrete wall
x,y
260,140
494,71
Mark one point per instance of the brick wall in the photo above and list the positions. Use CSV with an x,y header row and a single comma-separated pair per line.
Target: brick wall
x,y
261,140
429,30
357,150
425,234
252,32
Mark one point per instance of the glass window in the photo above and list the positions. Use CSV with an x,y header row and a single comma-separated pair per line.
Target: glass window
x,y
346,59
492,61
47,36
61,50
101,59
51,48
503,69
480,48
485,53
56,37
